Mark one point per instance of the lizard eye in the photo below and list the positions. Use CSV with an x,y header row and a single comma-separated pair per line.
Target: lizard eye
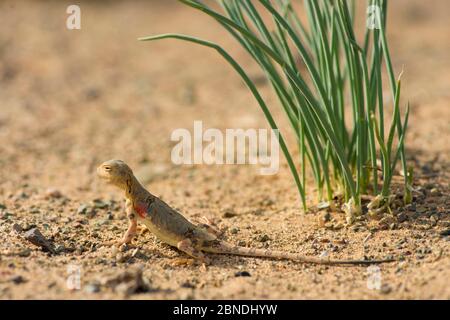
x,y
107,168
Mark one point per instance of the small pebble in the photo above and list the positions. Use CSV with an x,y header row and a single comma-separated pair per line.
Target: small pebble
x,y
263,238
323,205
24,253
92,288
385,289
338,226
402,217
100,204
53,193
82,209
18,279
421,209
323,218
229,214
17,228
234,230
435,192
242,274
59,248
135,252
187,284
35,237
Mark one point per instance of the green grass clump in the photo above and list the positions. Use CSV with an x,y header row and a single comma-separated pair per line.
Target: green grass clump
x,y
341,77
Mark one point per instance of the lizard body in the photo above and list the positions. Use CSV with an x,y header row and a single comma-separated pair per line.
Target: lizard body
x,y
173,228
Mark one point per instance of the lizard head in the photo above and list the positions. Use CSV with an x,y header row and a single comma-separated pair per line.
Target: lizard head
x,y
115,172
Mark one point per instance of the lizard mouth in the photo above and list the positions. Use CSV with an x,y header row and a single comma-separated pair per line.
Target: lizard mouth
x,y
105,178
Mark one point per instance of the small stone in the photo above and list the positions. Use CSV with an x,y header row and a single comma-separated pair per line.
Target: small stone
x,y
2,206
402,217
128,282
323,205
242,274
119,257
124,247
17,279
385,288
434,219
386,221
92,288
92,93
263,238
82,209
412,215
421,209
100,204
35,237
435,192
323,218
135,252
80,250
59,248
188,285
229,214
53,193
114,251
338,226
258,212
24,253
17,228
234,230
349,219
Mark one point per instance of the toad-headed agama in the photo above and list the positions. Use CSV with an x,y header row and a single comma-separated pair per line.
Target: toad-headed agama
x,y
171,227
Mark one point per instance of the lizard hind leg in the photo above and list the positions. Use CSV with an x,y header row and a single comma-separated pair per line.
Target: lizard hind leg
x,y
188,247
210,227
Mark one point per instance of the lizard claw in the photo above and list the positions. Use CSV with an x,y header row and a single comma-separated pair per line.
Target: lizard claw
x,y
118,243
182,262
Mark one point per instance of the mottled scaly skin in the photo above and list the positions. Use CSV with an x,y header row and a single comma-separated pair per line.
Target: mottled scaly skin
x,y
167,223
172,228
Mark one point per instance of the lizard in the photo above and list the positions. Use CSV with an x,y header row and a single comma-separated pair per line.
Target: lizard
x,y
172,228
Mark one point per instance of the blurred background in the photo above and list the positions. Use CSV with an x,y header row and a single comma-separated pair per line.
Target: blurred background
x,y
78,96
71,99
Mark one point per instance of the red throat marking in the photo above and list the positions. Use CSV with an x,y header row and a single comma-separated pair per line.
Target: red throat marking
x,y
141,210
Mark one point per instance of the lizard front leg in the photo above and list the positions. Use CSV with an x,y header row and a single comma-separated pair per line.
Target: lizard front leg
x,y
132,225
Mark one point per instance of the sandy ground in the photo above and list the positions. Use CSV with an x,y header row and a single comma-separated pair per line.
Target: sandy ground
x,y
72,99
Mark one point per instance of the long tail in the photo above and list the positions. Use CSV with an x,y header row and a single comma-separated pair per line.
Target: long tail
x,y
227,248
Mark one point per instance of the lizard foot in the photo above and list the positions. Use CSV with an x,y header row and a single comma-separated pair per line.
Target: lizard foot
x,y
119,243
182,262
187,247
